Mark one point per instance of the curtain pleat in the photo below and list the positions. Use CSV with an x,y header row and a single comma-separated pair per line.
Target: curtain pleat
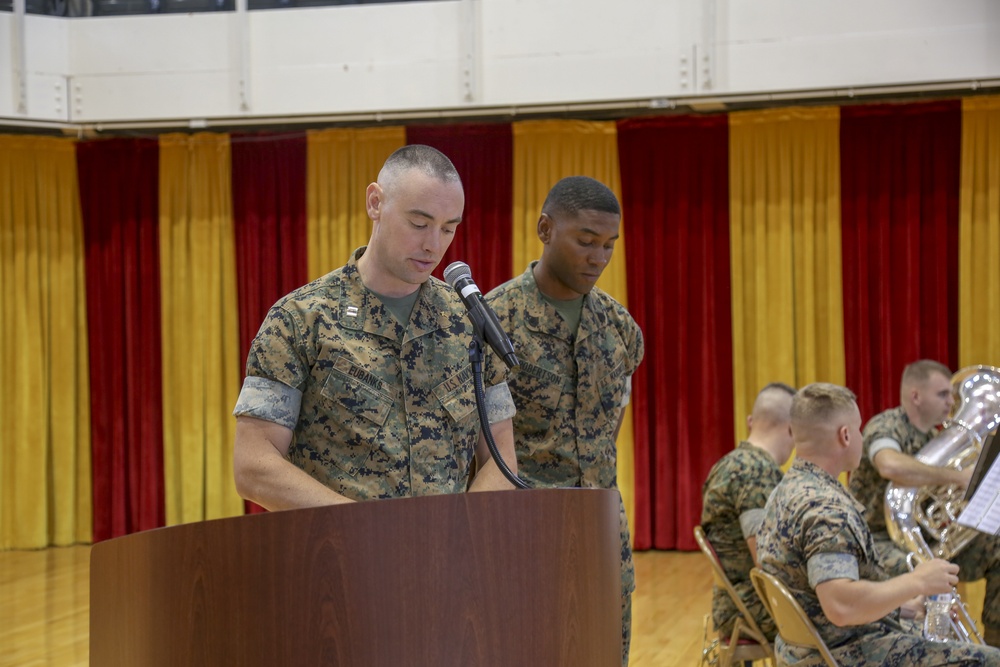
x,y
201,368
544,152
900,170
45,486
340,165
979,234
483,155
119,182
787,301
675,187
269,221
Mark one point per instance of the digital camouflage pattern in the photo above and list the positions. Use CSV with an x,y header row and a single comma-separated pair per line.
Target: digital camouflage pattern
x,y
384,410
980,559
733,499
814,531
570,391
866,484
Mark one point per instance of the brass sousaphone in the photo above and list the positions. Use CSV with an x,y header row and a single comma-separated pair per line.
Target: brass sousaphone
x,y
921,520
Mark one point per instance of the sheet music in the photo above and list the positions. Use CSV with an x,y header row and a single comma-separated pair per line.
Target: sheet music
x,y
983,511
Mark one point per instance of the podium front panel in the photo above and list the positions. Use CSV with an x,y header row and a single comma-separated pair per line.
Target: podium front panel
x,y
502,578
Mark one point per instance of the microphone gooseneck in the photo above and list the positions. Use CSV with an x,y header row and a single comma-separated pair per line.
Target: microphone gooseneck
x,y
487,328
459,276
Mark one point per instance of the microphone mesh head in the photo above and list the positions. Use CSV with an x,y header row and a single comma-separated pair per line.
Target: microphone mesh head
x,y
455,271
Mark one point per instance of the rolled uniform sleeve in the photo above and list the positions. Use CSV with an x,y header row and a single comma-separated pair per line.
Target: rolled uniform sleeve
x,y
750,522
825,567
275,370
831,547
270,400
499,403
882,443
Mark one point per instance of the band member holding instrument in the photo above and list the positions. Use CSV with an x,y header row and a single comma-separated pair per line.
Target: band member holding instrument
x,y
891,440
733,499
815,539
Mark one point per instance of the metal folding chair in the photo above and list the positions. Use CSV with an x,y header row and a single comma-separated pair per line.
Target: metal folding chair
x,y
746,642
794,626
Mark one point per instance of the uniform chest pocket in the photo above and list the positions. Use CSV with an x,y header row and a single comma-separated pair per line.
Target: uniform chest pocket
x,y
536,392
355,414
457,395
612,388
611,392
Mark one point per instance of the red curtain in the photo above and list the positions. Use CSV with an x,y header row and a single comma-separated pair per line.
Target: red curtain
x,y
269,223
484,157
269,226
899,210
119,183
675,197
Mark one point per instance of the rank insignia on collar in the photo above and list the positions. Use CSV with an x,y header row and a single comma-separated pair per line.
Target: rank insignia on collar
x,y
352,311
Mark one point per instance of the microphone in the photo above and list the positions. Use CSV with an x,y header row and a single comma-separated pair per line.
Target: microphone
x,y
459,276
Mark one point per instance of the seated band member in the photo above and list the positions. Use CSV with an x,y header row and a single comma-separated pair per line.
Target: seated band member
x,y
815,539
733,499
892,438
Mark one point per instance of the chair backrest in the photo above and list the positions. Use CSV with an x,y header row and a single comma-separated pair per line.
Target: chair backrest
x,y
793,625
722,581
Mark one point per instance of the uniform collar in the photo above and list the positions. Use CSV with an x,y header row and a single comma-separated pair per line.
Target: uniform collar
x,y
542,315
361,309
810,468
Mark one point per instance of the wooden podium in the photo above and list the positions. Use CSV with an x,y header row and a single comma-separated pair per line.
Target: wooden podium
x,y
504,578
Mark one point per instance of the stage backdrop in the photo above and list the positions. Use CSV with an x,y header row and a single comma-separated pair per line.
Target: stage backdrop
x,y
793,244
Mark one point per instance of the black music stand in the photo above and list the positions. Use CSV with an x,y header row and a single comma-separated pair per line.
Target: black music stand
x,y
982,512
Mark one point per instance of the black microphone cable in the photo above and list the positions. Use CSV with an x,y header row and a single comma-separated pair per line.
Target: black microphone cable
x,y
476,358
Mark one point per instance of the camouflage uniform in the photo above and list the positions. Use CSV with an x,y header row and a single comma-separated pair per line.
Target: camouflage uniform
x,y
981,558
570,391
378,410
814,531
733,499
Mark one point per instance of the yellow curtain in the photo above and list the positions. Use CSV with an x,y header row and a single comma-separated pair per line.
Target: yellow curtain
x,y
201,365
785,251
45,482
544,152
979,233
978,251
341,164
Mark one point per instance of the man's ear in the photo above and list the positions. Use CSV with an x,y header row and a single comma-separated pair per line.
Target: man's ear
x,y
373,201
544,228
844,435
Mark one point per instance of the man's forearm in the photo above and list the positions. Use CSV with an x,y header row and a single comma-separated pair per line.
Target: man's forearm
x,y
490,477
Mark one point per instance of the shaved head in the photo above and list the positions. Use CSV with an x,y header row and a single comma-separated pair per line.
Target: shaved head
x,y
769,423
773,404
424,159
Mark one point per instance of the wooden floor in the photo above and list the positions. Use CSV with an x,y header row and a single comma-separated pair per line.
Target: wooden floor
x,y
45,597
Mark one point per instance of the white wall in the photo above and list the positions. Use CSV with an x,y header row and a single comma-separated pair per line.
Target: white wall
x,y
457,57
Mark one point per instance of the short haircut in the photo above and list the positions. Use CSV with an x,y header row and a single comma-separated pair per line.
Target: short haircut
x,y
920,371
580,193
772,404
423,158
778,386
818,403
